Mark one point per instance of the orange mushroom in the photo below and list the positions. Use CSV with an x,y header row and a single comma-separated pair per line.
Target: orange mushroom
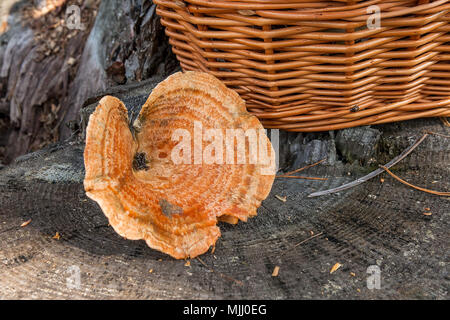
x,y
151,188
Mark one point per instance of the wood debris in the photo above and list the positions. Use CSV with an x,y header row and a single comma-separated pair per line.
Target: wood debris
x,y
353,274
71,61
282,199
275,272
335,267
57,236
150,271
24,224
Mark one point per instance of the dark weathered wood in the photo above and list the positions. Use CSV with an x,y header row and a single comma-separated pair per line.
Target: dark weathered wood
x,y
372,224
47,70
38,60
126,34
374,173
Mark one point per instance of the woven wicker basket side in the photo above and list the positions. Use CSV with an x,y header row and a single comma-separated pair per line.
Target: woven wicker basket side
x,y
320,65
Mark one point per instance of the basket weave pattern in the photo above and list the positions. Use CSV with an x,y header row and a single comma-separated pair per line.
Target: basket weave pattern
x,y
305,65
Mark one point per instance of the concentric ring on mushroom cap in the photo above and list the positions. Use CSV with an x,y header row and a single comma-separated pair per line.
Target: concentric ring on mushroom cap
x,y
144,194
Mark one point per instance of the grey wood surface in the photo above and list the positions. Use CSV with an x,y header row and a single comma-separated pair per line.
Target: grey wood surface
x,y
373,224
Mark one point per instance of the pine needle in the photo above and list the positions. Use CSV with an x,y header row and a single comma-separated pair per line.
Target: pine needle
x,y
305,167
445,121
290,173
301,177
438,134
439,193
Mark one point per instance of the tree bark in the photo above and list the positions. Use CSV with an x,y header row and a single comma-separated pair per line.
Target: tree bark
x,y
48,68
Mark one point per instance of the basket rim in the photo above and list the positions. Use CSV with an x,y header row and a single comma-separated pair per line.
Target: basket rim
x,y
264,8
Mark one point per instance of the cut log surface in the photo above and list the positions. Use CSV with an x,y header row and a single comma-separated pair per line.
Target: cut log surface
x,y
378,223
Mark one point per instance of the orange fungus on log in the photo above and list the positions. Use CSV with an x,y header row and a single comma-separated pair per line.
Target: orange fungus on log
x,y
179,173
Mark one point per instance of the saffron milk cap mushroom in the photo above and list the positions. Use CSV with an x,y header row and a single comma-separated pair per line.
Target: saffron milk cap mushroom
x,y
183,168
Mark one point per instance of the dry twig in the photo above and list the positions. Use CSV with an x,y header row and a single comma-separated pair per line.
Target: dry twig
x,y
373,173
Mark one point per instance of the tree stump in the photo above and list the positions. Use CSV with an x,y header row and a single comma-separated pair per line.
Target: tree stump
x,y
379,224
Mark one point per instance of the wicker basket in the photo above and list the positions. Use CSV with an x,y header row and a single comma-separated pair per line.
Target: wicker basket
x,y
305,65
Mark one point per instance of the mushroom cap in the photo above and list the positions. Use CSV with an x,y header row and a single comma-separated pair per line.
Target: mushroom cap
x,y
175,206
